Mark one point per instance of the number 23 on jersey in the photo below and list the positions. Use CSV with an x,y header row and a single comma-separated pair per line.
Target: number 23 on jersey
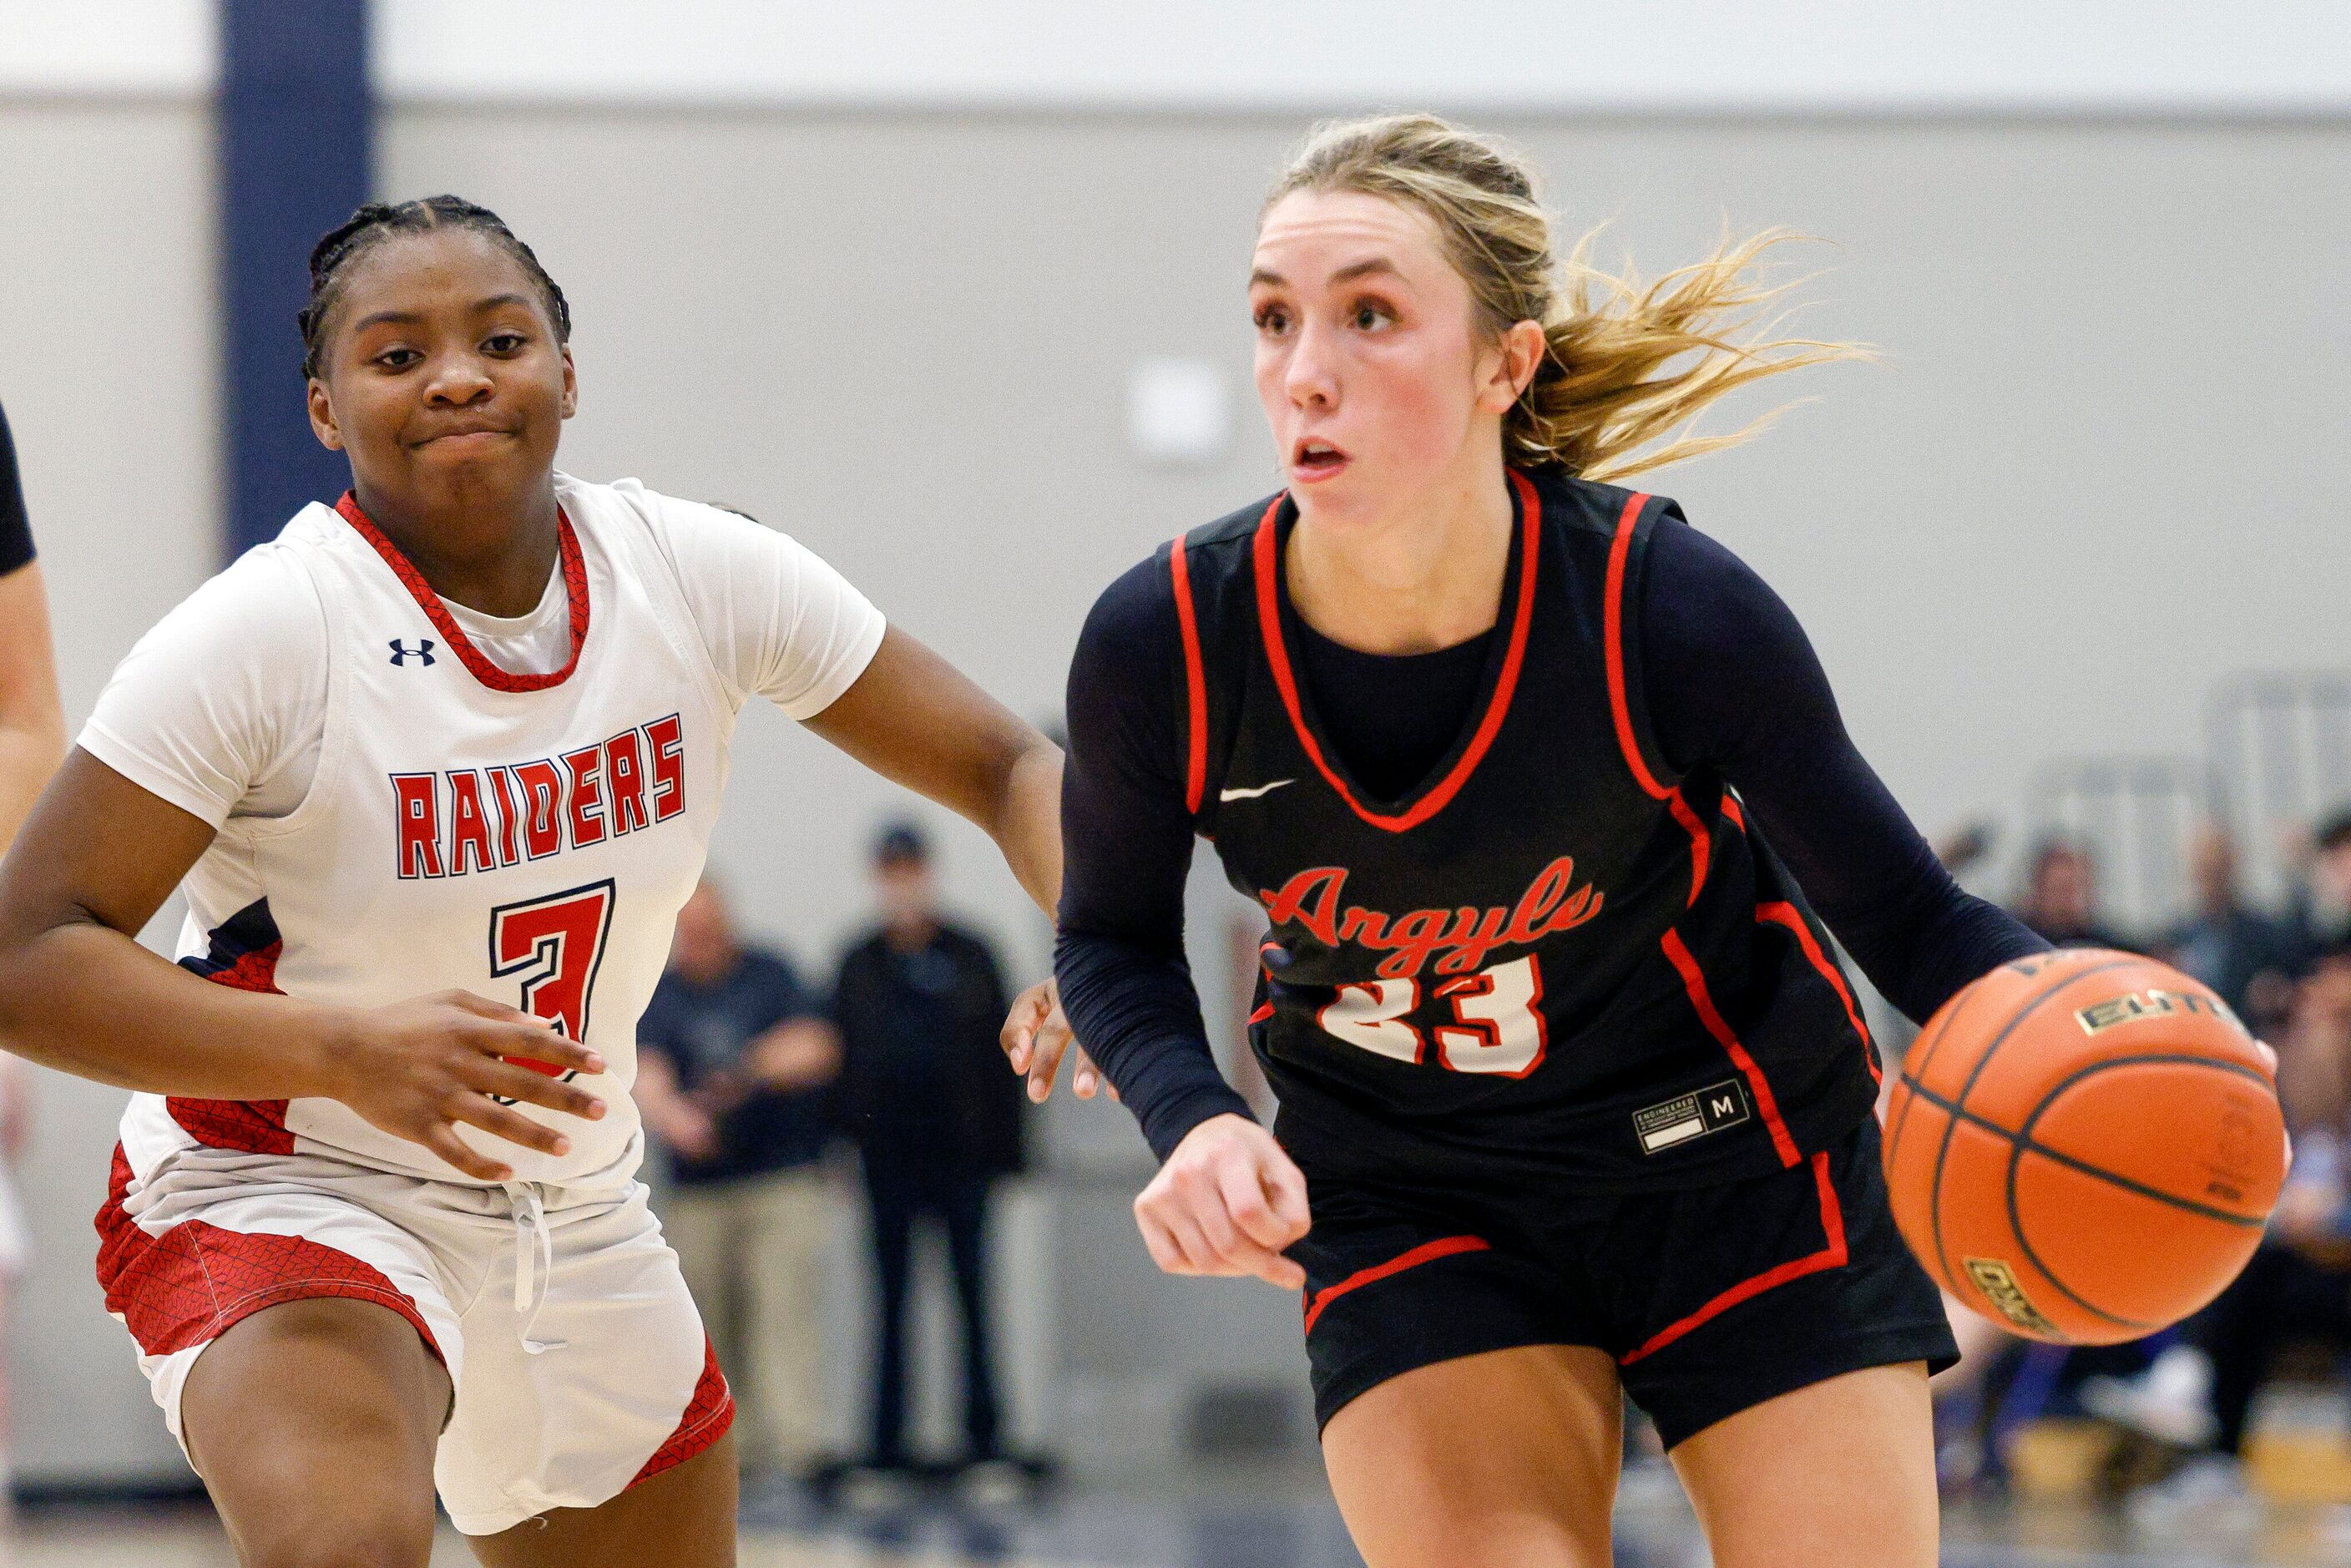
x,y
1496,1021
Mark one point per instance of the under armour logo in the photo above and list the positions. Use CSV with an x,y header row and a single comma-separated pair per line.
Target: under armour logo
x,y
424,650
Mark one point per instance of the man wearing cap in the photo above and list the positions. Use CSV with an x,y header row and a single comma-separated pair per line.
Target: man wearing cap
x,y
919,1004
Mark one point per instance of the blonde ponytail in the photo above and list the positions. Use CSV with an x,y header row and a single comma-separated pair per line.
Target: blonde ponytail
x,y
1627,362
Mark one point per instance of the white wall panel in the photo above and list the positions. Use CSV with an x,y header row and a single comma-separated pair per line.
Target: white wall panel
x,y
118,46
1674,55
107,342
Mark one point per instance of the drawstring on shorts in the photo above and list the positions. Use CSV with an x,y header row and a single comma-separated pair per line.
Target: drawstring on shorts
x,y
531,1235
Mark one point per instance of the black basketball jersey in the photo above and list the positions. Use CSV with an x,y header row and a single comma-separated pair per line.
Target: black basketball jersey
x,y
1553,959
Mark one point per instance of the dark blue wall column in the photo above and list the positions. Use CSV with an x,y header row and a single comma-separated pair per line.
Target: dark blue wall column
x,y
297,135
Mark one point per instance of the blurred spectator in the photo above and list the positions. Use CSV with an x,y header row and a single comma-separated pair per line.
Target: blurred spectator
x,y
2298,1284
732,1062
2247,958
2321,895
2061,897
937,1116
1964,846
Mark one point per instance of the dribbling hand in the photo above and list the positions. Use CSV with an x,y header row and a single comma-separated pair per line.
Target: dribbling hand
x,y
1036,1036
417,1069
1226,1203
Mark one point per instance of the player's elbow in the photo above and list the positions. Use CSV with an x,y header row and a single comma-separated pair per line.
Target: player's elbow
x,y
1020,764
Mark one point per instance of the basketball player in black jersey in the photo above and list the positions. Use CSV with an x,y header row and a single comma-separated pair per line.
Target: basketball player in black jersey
x,y
1548,806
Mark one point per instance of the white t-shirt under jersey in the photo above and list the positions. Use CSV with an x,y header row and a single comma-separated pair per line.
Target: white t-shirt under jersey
x,y
219,708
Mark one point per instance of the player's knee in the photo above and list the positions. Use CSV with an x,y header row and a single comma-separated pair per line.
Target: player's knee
x,y
357,1537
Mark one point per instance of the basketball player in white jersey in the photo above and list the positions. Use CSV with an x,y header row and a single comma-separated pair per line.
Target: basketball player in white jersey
x,y
435,769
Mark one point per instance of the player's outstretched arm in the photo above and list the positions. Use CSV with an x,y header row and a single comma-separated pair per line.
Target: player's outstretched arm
x,y
917,720
96,859
1734,683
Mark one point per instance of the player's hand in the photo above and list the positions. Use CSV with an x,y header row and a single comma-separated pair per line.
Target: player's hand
x,y
2270,1060
1226,1203
1036,1036
419,1068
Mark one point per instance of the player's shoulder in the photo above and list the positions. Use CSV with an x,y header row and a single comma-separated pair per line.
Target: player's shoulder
x,y
1132,622
1232,532
1138,611
265,602
1589,505
707,544
623,507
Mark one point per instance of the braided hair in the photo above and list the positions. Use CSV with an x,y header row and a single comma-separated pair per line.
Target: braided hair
x,y
378,220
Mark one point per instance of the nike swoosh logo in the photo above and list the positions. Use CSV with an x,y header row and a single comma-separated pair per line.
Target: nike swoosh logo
x,y
1253,794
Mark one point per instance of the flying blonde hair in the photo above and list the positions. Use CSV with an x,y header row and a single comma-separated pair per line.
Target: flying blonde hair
x,y
1626,361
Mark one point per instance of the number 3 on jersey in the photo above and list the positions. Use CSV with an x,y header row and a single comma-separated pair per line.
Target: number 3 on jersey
x,y
555,945
1497,1024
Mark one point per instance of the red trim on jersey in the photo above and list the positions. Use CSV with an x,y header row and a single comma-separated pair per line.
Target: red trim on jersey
x,y
196,1280
251,1127
1678,953
1262,1013
1620,707
1832,1255
1427,1252
1787,915
1731,808
1620,550
708,1414
575,589
1701,841
1195,679
1268,620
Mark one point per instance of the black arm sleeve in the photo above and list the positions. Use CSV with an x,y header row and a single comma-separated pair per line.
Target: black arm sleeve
x,y
1733,684
16,531
1126,840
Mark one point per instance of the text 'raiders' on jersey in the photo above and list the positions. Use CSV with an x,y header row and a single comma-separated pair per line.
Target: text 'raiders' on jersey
x,y
455,822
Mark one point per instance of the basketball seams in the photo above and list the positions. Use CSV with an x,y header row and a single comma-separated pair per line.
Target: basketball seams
x,y
2023,1136
1951,1122
2021,1140
1925,1050
2112,1178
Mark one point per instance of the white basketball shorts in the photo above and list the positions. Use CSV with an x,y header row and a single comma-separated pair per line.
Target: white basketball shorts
x,y
579,1361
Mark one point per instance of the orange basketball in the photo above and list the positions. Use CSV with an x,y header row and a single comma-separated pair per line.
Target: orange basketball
x,y
2084,1146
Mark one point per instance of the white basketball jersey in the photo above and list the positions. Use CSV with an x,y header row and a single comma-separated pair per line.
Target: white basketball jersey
x,y
528,837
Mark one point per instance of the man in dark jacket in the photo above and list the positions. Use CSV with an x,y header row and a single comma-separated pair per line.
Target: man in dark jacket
x,y
733,1063
2249,958
938,1117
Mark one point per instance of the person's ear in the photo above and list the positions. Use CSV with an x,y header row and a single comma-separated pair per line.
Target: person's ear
x,y
1509,366
322,417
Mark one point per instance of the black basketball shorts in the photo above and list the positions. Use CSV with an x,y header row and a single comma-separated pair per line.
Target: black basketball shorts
x,y
1710,1299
